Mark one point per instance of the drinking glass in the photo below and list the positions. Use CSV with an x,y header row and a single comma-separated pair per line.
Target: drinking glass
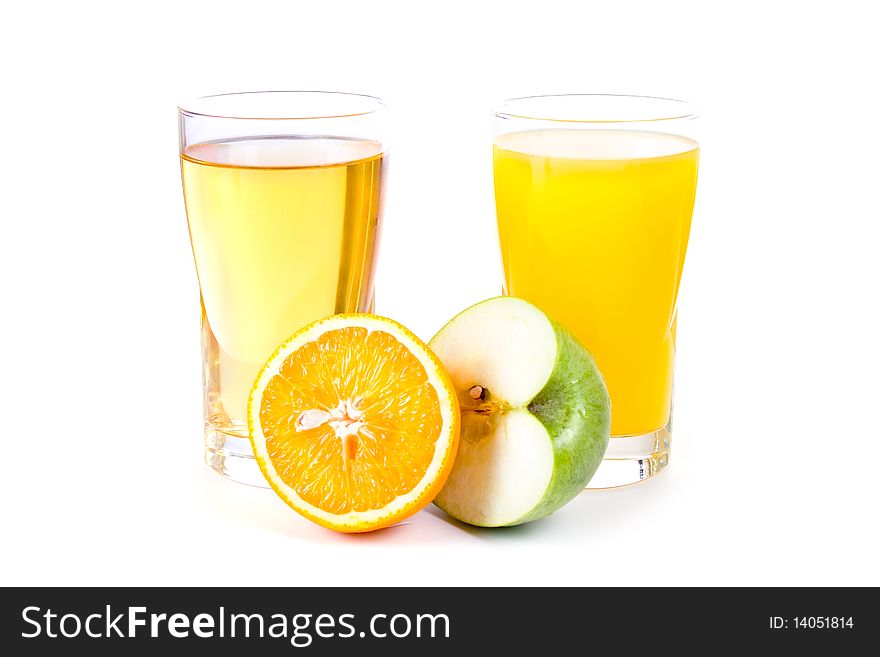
x,y
283,194
594,195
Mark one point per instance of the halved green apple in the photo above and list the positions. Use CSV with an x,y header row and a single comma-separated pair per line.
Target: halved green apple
x,y
535,413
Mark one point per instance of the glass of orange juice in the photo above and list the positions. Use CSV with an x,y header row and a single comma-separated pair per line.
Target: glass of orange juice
x,y
283,193
594,196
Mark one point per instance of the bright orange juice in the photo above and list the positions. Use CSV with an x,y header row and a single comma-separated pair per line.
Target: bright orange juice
x,y
594,226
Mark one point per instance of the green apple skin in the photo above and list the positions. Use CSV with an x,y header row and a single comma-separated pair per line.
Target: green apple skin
x,y
575,408
572,406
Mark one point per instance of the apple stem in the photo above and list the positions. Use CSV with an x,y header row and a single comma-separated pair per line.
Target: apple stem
x,y
478,392
479,402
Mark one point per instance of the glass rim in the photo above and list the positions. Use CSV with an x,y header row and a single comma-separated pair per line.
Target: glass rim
x,y
686,112
191,108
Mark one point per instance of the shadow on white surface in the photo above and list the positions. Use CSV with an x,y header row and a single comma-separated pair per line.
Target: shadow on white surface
x,y
241,508
592,513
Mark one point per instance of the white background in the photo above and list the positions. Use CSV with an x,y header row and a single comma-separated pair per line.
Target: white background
x,y
773,476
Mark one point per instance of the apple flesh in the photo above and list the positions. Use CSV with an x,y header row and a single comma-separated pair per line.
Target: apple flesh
x,y
535,413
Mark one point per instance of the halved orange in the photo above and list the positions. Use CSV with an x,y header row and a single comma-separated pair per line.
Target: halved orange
x,y
354,422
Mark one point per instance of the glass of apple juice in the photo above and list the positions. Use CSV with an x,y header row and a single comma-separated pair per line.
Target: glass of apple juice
x,y
594,196
283,194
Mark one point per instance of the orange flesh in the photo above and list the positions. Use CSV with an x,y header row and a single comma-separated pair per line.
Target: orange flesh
x,y
385,420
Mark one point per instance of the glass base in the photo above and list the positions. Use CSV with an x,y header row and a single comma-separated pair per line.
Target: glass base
x,y
230,454
628,459
631,459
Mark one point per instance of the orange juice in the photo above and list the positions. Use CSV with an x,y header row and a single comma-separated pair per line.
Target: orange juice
x,y
593,227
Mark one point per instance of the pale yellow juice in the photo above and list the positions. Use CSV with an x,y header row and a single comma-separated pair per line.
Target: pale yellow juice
x,y
284,232
593,227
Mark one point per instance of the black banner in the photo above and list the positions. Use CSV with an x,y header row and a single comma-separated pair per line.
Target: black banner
x,y
327,621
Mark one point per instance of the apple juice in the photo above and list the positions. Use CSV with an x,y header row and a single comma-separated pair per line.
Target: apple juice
x,y
284,231
593,226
